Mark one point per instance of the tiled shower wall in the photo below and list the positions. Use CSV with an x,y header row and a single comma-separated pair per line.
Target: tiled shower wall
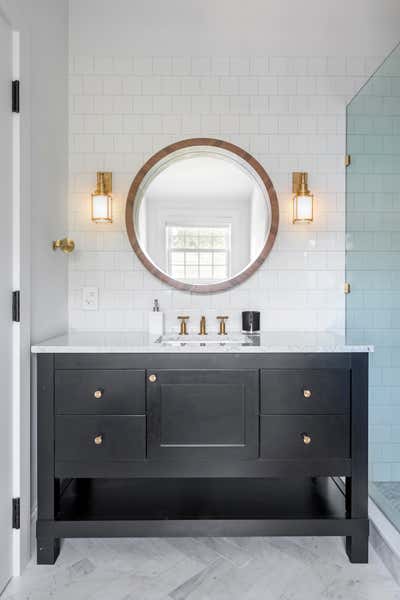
x,y
288,112
373,255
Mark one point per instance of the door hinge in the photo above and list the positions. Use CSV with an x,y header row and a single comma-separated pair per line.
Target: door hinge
x,y
15,96
347,160
16,513
347,288
16,306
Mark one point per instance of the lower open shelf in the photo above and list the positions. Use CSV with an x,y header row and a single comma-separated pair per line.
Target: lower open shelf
x,y
198,499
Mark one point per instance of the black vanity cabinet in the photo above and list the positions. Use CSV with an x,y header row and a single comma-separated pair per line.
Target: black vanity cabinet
x,y
202,445
203,415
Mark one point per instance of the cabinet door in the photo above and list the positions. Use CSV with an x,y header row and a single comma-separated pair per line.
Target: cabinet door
x,y
203,414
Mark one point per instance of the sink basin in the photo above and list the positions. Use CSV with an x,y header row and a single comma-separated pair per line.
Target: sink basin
x,y
211,339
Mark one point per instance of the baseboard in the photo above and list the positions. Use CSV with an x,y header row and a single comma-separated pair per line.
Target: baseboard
x,y
385,539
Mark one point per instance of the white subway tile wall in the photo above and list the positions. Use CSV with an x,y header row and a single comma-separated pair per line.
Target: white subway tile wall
x,y
288,112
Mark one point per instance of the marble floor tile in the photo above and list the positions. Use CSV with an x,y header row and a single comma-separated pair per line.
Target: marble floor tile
x,y
228,550
196,549
205,569
389,557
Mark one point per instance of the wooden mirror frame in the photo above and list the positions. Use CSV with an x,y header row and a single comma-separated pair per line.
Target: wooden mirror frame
x,y
150,266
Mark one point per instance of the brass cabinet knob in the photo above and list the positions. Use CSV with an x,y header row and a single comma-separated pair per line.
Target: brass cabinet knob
x,y
98,393
152,378
306,438
98,440
307,393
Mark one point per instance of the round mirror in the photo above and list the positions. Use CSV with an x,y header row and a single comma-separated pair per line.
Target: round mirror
x,y
202,215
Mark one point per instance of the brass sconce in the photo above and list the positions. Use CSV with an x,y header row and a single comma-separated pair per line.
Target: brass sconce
x,y
101,200
303,200
66,245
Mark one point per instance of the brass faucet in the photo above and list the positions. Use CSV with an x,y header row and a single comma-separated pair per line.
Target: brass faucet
x,y
203,326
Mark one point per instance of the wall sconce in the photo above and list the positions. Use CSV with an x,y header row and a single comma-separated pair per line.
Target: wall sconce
x,y
66,245
303,200
101,201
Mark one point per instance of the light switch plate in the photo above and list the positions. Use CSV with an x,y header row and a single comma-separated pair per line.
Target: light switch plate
x,y
90,298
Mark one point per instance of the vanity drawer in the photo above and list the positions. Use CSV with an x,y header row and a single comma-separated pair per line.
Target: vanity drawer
x,y
100,392
100,438
305,391
304,436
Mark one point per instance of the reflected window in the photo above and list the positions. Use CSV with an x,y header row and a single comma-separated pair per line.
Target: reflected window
x,y
198,253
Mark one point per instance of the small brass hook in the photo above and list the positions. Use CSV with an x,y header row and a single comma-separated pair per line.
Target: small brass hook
x,y
66,245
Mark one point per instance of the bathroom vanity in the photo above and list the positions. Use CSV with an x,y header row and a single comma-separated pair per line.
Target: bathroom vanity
x,y
142,438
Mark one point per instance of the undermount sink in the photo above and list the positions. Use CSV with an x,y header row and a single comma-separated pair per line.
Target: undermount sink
x,y
174,339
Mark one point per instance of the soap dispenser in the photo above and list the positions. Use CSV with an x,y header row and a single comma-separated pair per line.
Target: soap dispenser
x,y
156,320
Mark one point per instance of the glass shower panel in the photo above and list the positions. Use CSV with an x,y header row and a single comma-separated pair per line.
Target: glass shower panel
x,y
373,266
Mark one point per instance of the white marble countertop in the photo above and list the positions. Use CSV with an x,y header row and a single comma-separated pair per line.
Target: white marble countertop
x,y
137,342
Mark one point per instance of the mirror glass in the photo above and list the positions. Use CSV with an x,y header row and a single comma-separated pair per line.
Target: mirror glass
x,y
201,216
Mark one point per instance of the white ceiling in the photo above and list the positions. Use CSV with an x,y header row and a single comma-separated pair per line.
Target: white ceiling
x,y
233,27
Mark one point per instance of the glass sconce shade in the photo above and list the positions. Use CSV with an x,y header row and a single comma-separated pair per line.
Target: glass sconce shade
x,y
101,208
303,200
101,200
303,209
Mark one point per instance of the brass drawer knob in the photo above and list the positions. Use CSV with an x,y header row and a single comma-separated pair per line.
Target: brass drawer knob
x,y
306,438
98,440
307,393
98,393
152,378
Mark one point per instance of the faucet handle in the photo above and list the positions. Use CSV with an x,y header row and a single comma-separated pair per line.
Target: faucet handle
x,y
222,324
183,329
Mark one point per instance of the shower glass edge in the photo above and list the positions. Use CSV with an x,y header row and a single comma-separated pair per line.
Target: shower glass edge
x,y
373,266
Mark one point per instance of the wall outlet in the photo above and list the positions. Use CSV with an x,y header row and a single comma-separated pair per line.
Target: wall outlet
x,y
90,298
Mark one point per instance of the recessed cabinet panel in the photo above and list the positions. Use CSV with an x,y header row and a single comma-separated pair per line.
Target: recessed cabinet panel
x,y
100,392
305,391
203,414
100,439
304,436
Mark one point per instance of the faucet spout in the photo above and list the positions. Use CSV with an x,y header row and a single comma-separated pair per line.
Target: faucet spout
x,y
203,330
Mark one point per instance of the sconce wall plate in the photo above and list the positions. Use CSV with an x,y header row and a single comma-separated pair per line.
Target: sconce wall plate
x,y
101,200
303,200
66,245
104,181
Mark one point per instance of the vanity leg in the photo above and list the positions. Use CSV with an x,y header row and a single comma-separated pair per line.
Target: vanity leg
x,y
48,547
357,548
48,550
357,509
357,484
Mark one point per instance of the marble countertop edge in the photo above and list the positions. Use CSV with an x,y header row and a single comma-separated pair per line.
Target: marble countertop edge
x,y
142,343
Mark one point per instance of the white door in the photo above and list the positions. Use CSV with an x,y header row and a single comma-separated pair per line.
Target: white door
x,y
6,272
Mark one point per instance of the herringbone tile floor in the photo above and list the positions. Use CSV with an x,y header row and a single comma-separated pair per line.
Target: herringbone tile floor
x,y
205,569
